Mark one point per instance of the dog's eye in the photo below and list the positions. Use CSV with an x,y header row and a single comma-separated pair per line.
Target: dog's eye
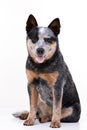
x,y
49,40
34,40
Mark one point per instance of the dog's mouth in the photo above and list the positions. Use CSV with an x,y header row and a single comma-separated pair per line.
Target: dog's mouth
x,y
40,59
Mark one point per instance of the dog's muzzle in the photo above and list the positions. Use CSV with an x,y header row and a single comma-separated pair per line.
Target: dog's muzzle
x,y
40,55
40,51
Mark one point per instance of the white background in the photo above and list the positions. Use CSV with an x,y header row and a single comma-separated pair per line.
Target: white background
x,y
13,53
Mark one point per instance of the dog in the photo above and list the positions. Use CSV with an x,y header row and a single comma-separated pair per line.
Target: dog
x,y
52,92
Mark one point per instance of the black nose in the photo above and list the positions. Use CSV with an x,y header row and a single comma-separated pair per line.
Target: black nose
x,y
40,51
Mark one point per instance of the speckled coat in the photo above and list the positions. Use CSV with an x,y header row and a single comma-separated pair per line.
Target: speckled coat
x,y
52,91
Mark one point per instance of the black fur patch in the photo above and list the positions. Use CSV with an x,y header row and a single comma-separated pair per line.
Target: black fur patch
x,y
33,35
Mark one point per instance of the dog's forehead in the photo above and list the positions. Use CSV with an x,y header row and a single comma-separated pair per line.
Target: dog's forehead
x,y
45,32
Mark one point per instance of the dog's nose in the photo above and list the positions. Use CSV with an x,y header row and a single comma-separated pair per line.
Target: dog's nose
x,y
40,51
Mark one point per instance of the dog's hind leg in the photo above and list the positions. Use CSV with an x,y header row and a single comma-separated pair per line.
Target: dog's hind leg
x,y
71,114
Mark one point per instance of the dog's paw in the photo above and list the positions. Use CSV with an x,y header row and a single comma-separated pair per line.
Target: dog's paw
x,y
45,119
55,124
29,122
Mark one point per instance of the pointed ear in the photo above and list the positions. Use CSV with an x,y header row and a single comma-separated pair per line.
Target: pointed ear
x,y
55,26
31,23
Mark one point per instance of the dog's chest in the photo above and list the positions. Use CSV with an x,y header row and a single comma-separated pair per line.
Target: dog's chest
x,y
43,83
44,89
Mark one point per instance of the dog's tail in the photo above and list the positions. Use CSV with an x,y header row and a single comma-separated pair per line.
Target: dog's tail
x,y
21,115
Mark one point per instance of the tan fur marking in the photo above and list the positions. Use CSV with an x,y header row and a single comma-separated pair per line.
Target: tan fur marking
x,y
52,50
31,48
66,112
30,75
33,107
53,42
57,110
50,77
34,101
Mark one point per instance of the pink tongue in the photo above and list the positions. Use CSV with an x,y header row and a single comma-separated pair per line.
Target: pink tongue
x,y
40,59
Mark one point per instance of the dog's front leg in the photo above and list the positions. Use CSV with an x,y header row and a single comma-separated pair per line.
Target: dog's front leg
x,y
57,91
33,105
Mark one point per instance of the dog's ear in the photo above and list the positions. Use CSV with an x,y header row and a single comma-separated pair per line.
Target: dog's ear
x,y
31,23
55,26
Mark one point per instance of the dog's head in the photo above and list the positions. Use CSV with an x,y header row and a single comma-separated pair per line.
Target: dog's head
x,y
42,42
